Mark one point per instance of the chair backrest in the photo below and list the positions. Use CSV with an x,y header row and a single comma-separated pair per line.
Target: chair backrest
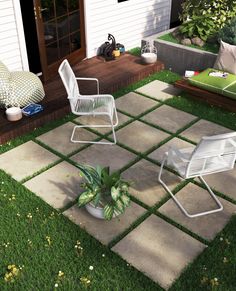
x,y
213,154
68,78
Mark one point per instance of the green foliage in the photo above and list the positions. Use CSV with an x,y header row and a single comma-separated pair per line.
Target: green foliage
x,y
228,32
204,18
105,189
201,26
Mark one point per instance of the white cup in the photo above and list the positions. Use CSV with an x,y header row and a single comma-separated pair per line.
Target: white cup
x,y
14,113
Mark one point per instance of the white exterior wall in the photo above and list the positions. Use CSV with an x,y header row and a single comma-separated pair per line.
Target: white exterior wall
x,y
128,21
12,42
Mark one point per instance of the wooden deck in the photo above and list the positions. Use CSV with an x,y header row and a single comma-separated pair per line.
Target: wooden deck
x,y
207,96
112,75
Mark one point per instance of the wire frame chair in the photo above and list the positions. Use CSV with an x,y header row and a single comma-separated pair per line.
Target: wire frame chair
x,y
88,105
213,154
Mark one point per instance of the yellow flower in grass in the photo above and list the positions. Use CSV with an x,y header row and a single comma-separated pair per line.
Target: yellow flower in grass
x,y
225,260
79,248
214,282
12,272
29,216
85,281
49,240
60,274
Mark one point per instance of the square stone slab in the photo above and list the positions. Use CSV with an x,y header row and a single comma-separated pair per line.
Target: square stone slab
x,y
158,154
140,136
57,186
159,90
224,182
169,118
25,160
104,155
146,187
134,103
59,138
104,230
203,128
103,120
159,250
195,199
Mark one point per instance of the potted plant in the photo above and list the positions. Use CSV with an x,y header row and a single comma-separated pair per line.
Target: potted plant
x,y
105,194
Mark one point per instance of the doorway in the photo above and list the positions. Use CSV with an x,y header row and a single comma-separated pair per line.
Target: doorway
x,y
176,10
58,29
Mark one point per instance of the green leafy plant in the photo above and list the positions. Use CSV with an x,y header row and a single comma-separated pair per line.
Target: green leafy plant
x,y
228,32
204,18
104,189
201,26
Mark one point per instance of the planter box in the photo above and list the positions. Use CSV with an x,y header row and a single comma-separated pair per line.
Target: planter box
x,y
179,58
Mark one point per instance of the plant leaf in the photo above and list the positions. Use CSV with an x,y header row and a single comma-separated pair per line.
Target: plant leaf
x,y
119,206
108,212
125,200
85,198
115,193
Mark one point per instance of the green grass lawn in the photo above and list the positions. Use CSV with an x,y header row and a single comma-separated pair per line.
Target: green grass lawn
x,y
210,47
40,249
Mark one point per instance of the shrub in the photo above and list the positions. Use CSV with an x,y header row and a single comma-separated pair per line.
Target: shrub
x,y
228,32
204,18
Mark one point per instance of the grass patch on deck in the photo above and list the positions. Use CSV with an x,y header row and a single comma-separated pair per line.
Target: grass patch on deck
x,y
209,47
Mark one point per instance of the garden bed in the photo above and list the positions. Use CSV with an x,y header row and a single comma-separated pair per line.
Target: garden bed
x,y
179,58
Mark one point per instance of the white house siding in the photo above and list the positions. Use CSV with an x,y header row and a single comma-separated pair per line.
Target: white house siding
x,y
128,21
12,43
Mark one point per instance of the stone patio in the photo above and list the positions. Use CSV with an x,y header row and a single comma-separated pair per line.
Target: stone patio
x,y
154,246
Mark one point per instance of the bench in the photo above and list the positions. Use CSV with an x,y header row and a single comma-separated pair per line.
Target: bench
x,y
213,98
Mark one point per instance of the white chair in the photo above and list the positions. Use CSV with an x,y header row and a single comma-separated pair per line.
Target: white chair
x,y
213,154
95,105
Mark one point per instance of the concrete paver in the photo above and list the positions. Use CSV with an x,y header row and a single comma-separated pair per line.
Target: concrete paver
x,y
25,160
169,118
59,138
104,230
134,103
105,155
203,128
159,90
158,154
223,182
57,186
159,250
195,199
103,120
145,136
145,186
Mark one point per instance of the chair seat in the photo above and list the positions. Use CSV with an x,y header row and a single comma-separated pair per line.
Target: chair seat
x,y
213,164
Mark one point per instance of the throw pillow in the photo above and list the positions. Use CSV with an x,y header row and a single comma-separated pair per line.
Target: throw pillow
x,y
226,59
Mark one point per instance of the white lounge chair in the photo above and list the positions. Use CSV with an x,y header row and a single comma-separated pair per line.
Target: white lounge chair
x,y
213,154
95,105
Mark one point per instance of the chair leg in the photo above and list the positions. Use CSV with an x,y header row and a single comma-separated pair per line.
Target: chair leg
x,y
96,126
178,202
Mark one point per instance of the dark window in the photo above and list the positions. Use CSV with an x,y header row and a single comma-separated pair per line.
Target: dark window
x,y
121,1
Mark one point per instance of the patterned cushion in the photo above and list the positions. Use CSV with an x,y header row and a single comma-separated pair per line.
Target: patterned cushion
x,y
26,88
19,88
4,83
